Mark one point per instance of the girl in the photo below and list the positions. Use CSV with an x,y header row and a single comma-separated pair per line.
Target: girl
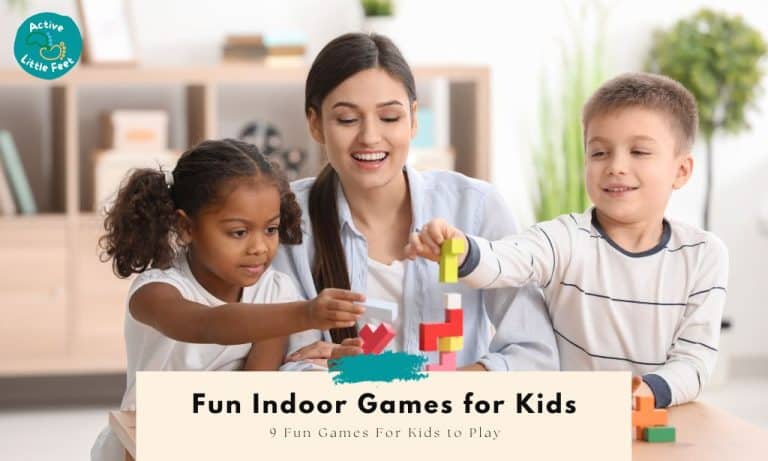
x,y
360,105
202,239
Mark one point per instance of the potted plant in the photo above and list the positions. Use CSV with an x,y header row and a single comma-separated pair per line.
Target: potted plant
x,y
559,154
378,16
717,57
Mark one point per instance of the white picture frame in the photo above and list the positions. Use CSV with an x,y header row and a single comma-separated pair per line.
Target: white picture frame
x,y
107,30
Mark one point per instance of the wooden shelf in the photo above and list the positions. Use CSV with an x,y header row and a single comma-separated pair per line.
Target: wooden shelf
x,y
229,73
56,290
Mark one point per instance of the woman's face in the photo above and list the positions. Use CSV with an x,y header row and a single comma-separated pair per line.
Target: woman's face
x,y
366,125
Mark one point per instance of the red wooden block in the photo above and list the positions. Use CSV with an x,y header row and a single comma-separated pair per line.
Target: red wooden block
x,y
429,332
375,341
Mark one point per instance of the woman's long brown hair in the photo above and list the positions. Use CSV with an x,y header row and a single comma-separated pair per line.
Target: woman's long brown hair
x,y
337,61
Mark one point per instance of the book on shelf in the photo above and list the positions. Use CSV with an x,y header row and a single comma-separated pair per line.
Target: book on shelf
x,y
244,48
290,50
252,40
275,49
17,178
240,53
280,38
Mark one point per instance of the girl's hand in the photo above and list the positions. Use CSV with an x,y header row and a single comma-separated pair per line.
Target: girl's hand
x,y
334,308
426,243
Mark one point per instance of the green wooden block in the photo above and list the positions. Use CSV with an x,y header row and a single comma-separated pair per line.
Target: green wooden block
x,y
659,434
452,247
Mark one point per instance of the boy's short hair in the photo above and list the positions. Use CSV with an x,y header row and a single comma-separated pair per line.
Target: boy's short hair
x,y
651,91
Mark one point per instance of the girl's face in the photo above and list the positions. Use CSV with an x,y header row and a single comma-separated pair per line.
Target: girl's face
x,y
233,243
366,125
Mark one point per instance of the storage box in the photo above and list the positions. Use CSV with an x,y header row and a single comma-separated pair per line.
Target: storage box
x,y
111,167
135,130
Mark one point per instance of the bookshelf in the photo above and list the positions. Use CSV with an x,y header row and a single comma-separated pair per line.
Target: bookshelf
x,y
61,308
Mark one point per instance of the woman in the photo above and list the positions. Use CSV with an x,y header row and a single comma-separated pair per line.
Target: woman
x,y
359,211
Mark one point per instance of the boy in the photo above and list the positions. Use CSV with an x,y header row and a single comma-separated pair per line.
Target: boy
x,y
626,289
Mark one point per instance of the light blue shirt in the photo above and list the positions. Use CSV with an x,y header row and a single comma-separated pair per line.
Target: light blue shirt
x,y
504,329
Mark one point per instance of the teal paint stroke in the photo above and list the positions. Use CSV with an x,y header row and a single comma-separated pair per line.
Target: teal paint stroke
x,y
385,367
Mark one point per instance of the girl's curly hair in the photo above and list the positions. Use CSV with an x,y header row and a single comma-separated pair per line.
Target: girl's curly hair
x,y
141,227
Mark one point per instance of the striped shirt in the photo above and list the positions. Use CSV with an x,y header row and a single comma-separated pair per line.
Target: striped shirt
x,y
655,313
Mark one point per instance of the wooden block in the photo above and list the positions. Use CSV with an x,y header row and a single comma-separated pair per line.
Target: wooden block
x,y
452,247
644,403
450,344
653,418
375,341
430,332
659,434
384,311
447,362
449,269
645,414
455,320
452,300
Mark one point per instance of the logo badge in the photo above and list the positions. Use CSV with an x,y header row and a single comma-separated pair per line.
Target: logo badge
x,y
48,45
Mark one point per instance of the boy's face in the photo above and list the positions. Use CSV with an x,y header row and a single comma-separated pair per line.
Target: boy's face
x,y
631,164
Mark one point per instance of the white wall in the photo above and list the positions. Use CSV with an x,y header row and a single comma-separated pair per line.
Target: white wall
x,y
517,40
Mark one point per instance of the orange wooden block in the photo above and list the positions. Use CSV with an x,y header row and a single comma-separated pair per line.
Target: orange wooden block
x,y
645,413
644,403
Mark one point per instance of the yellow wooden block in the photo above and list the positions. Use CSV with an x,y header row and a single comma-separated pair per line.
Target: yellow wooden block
x,y
452,247
450,343
449,269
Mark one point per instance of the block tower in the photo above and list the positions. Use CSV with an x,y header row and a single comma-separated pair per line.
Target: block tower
x,y
446,337
651,423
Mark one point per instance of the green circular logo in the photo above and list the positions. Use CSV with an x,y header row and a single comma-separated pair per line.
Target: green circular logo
x,y
48,45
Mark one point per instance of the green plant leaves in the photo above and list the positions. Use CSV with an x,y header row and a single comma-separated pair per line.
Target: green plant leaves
x,y
718,58
559,155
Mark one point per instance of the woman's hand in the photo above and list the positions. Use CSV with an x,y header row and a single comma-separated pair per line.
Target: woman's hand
x,y
334,308
320,351
349,346
427,242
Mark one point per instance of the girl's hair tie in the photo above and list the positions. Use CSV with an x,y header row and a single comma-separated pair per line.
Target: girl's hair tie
x,y
168,178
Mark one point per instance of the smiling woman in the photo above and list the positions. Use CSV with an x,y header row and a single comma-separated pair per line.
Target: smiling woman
x,y
360,102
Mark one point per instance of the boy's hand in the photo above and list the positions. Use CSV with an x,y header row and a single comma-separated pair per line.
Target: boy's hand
x,y
639,389
334,308
427,242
